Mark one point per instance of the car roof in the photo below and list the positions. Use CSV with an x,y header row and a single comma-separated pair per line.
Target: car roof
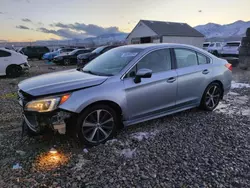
x,y
159,45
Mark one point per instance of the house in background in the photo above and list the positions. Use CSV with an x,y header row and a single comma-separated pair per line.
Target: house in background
x,y
147,31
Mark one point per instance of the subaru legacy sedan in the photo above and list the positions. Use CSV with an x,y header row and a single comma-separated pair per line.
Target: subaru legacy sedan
x,y
122,87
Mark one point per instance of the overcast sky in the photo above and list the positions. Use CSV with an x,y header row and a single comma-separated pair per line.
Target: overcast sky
x,y
29,20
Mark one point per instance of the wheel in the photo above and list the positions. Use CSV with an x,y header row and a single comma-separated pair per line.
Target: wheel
x,y
248,32
66,62
245,42
211,97
13,71
97,124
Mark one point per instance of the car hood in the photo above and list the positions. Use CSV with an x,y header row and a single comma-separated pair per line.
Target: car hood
x,y
58,82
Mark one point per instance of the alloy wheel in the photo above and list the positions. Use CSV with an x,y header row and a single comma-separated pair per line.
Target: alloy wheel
x,y
98,126
213,97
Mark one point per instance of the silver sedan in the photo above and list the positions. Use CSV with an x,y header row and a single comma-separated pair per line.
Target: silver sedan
x,y
122,87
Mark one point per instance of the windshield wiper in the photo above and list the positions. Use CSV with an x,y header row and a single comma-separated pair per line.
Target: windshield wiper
x,y
88,71
96,73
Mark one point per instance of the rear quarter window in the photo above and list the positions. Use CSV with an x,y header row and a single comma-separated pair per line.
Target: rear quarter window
x,y
202,59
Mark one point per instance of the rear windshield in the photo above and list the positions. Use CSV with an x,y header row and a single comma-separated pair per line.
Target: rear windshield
x,y
206,45
233,44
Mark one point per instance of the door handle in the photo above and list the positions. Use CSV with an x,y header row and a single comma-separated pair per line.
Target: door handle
x,y
171,80
205,71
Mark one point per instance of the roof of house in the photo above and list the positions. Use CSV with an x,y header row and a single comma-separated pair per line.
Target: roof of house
x,y
172,29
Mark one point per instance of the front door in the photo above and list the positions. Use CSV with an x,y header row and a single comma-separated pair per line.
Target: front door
x,y
152,95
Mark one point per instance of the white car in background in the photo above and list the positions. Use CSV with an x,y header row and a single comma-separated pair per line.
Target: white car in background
x,y
215,48
231,48
12,63
205,45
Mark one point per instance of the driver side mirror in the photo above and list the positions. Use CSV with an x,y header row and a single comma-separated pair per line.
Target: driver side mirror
x,y
142,73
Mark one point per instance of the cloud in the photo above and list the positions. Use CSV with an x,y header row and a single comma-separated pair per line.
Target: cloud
x,y
22,27
40,23
91,29
3,40
26,20
64,33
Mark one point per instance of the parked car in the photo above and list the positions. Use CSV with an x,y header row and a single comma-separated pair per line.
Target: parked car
x,y
122,87
231,49
34,51
70,58
205,45
12,63
50,55
215,48
83,59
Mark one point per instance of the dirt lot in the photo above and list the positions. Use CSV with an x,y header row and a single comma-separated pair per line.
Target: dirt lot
x,y
188,149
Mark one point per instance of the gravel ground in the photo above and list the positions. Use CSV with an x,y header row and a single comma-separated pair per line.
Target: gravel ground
x,y
188,149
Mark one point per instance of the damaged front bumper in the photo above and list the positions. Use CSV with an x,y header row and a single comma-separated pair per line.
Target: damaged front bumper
x,y
38,122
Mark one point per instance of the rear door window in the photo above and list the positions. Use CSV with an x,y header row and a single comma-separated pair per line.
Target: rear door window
x,y
185,58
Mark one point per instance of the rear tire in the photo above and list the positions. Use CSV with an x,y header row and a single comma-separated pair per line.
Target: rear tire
x,y
97,124
211,97
13,71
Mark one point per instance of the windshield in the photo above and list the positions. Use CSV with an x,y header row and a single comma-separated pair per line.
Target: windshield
x,y
98,50
112,62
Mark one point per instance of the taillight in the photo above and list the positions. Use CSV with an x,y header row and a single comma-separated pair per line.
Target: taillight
x,y
229,66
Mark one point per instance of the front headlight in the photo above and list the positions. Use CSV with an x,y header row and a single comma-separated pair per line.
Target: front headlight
x,y
47,104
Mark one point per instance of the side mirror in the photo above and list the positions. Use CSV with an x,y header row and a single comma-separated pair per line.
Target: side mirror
x,y
142,73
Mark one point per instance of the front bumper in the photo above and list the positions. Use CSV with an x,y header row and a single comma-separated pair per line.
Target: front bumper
x,y
38,122
25,67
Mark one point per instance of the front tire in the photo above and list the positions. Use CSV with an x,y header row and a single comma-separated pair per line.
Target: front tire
x,y
97,124
211,97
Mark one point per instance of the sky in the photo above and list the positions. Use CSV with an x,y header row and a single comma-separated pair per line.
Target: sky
x,y
31,20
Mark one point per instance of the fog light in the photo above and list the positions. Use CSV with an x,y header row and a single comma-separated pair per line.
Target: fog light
x,y
53,151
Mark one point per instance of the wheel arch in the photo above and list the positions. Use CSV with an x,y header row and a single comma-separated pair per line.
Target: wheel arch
x,y
11,65
218,82
116,107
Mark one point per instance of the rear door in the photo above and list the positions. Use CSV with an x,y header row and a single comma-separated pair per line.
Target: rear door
x,y
5,60
153,95
192,76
